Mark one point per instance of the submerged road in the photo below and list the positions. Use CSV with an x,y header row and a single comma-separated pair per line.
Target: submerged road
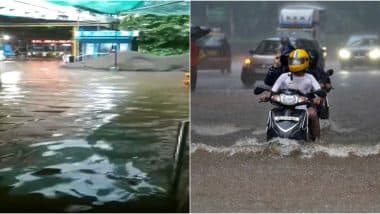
x,y
83,140
247,174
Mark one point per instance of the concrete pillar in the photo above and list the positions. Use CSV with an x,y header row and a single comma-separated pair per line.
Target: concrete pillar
x,y
75,45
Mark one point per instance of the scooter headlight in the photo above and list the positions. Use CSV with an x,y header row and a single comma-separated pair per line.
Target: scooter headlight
x,y
289,99
374,54
344,54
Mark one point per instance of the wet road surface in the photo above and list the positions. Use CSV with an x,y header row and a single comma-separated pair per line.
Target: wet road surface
x,y
228,142
87,140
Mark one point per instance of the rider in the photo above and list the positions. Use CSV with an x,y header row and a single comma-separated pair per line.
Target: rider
x,y
322,77
280,65
286,48
275,70
196,33
298,79
279,68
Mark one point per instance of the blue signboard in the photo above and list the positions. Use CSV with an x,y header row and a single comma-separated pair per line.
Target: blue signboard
x,y
105,34
8,51
105,41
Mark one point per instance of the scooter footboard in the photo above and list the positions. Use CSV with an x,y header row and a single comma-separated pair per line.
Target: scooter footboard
x,y
288,123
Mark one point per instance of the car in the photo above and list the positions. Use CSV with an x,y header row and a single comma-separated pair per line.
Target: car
x,y
217,51
360,50
261,59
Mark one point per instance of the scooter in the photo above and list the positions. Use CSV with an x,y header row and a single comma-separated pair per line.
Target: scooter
x,y
285,120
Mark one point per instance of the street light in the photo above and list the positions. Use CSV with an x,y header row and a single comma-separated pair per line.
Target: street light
x,y
6,37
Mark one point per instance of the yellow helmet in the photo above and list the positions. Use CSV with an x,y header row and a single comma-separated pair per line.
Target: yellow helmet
x,y
298,60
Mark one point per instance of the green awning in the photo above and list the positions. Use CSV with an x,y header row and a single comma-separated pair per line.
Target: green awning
x,y
121,7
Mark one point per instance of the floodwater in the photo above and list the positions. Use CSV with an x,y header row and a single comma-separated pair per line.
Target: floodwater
x,y
227,117
82,140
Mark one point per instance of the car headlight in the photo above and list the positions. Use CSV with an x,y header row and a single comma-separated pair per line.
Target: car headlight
x,y
247,61
374,54
344,54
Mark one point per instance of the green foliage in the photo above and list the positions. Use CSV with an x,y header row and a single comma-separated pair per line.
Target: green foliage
x,y
161,35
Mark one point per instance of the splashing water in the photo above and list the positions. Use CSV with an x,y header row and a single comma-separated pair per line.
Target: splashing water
x,y
286,147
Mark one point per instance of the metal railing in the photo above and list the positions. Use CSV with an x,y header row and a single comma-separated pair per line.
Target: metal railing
x,y
180,176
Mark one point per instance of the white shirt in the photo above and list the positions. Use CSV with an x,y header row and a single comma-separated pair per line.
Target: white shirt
x,y
305,84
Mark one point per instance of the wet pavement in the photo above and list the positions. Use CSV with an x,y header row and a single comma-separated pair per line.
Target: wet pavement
x,y
87,140
228,132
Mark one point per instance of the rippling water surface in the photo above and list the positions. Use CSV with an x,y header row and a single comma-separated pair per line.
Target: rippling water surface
x,y
87,140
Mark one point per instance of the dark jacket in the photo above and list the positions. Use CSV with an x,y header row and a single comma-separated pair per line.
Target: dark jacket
x,y
273,74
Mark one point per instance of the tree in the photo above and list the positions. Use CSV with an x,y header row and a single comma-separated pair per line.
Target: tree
x,y
162,35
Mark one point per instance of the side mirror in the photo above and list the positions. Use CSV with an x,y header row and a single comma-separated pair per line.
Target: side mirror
x,y
259,90
330,72
251,52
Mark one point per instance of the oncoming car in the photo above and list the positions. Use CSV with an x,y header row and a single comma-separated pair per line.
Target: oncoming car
x,y
217,51
360,50
261,59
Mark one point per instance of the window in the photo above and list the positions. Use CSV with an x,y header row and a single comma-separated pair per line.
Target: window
x,y
212,41
105,48
268,47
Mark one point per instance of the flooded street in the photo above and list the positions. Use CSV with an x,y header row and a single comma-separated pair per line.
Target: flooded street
x,y
337,174
87,140
271,183
225,112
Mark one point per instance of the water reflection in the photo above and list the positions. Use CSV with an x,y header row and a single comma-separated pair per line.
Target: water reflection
x,y
11,90
88,135
95,177
10,77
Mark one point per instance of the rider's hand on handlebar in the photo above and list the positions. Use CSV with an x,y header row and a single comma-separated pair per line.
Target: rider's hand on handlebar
x,y
264,98
328,86
317,100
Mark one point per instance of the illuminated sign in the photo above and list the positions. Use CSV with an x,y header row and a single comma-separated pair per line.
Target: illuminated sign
x,y
48,41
